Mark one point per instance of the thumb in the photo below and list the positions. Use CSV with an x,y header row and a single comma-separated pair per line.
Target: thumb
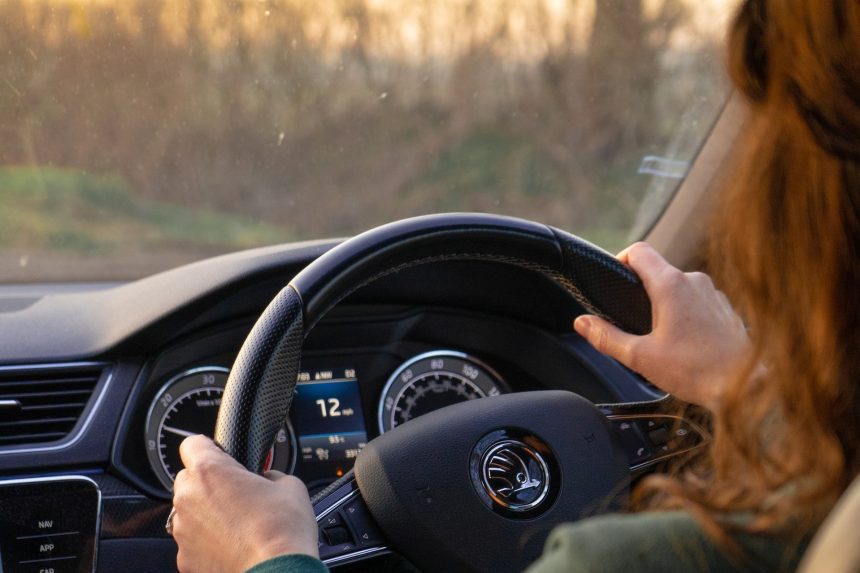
x,y
285,479
195,449
276,476
606,337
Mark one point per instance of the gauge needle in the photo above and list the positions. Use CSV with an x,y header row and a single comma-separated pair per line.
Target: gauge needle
x,y
178,432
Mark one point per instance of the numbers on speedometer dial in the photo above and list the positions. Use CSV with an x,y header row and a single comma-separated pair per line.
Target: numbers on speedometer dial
x,y
188,405
431,381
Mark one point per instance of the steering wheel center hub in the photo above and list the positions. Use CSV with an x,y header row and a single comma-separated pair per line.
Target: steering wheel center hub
x,y
443,478
515,476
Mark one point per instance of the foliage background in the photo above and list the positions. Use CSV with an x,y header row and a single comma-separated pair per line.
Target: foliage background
x,y
138,134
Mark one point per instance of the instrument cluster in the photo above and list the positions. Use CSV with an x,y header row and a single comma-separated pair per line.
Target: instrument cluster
x,y
327,425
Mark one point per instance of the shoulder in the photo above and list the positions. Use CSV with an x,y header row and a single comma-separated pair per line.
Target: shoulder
x,y
660,541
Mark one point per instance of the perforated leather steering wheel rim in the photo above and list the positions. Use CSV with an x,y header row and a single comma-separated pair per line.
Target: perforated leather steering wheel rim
x,y
262,381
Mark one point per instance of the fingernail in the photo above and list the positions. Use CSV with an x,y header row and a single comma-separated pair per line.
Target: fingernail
x,y
582,325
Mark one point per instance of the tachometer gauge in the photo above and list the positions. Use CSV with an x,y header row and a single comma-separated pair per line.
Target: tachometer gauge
x,y
431,381
188,405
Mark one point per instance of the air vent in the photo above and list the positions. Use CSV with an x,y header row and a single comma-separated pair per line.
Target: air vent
x,y
43,404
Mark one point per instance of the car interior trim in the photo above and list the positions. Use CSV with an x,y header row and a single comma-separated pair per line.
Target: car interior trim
x,y
87,417
679,233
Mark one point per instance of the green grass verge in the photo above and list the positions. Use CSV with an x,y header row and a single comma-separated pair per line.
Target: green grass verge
x,y
67,209
500,171
493,164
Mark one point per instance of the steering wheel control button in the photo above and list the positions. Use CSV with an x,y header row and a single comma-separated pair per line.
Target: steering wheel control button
x,y
638,450
338,535
365,529
332,520
671,435
336,539
328,551
659,435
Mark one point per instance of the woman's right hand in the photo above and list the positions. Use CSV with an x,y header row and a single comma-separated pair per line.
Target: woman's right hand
x,y
696,340
229,519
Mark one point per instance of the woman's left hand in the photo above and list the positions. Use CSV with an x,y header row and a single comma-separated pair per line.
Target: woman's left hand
x,y
229,519
697,339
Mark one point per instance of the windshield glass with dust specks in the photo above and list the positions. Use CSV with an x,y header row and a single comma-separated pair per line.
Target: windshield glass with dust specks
x,y
138,135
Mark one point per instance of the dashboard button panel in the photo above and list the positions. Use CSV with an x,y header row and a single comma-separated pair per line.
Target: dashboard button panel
x,y
49,525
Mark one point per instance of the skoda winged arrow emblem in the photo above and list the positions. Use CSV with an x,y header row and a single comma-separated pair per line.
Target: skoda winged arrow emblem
x,y
515,475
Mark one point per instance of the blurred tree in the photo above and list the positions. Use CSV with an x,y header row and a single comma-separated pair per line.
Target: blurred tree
x,y
330,116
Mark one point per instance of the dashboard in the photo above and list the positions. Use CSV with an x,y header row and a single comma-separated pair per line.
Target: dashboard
x,y
158,352
365,370
327,427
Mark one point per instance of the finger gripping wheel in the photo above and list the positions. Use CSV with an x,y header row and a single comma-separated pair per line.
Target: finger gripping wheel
x,y
604,286
263,379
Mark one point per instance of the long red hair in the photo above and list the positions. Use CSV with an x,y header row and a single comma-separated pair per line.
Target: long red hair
x,y
785,246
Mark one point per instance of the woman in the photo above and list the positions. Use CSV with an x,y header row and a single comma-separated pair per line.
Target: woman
x,y
784,403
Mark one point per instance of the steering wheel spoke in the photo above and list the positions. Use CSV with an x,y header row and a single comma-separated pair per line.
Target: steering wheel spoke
x,y
657,431
347,531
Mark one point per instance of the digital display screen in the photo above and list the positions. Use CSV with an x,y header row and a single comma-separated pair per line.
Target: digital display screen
x,y
329,423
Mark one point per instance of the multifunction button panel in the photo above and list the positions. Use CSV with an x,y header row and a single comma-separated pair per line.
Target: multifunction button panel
x,y
49,525
347,529
648,439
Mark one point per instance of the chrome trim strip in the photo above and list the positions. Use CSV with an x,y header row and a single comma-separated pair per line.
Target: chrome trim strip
x,y
363,554
82,426
52,365
70,478
616,408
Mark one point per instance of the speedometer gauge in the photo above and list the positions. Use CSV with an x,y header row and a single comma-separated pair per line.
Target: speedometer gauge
x,y
188,405
431,381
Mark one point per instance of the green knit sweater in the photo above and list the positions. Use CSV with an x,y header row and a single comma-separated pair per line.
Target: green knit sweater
x,y
666,542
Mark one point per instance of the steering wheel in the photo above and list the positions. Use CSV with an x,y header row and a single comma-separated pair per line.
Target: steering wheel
x,y
476,486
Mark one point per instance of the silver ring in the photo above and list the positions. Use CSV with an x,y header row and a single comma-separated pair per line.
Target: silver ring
x,y
168,526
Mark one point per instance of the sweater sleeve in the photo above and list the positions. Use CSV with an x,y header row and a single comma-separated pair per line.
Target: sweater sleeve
x,y
667,542
290,564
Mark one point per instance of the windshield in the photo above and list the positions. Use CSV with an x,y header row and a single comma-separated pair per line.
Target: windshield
x,y
141,134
